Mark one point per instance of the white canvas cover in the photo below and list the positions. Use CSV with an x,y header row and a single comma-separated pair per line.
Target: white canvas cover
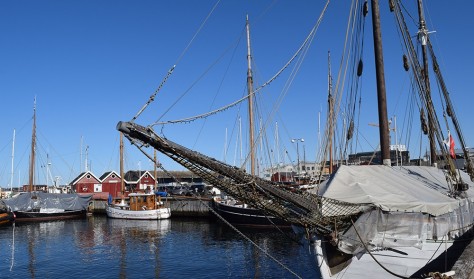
x,y
403,189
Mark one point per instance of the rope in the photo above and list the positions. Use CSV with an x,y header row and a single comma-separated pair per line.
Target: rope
x,y
249,240
152,97
373,257
274,77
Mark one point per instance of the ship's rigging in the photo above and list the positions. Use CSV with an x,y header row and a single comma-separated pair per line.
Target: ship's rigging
x,y
307,210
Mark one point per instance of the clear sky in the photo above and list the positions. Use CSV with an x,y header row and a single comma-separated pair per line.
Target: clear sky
x,y
91,64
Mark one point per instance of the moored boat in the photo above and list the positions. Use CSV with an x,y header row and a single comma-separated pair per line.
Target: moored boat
x,y
141,206
377,221
39,206
240,214
6,214
34,206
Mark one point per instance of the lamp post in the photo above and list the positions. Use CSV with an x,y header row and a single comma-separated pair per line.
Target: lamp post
x,y
297,151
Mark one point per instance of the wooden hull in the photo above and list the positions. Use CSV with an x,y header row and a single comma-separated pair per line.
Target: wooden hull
x,y
152,214
247,217
6,218
29,216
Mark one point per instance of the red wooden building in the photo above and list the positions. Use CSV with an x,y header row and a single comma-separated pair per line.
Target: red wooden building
x,y
86,182
111,183
139,181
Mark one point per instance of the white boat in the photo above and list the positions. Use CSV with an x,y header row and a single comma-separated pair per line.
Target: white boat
x,y
397,221
140,206
410,226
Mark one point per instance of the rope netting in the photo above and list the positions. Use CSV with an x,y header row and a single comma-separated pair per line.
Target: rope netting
x,y
294,206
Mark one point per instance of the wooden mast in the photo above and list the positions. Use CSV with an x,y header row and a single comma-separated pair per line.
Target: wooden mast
x,y
33,149
155,172
381,92
423,37
122,180
250,102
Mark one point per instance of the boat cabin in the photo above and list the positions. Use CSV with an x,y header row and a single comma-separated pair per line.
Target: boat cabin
x,y
140,201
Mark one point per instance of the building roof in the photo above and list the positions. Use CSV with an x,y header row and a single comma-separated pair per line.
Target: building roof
x,y
107,174
81,175
133,176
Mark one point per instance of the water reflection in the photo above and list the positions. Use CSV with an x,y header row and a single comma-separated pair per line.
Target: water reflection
x,y
171,248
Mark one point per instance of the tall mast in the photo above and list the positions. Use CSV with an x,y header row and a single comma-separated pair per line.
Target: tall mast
x,y
122,180
155,172
80,161
13,156
250,103
33,149
423,37
331,113
381,92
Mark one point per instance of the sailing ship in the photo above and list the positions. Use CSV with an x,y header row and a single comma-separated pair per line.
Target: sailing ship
x,y
32,206
140,206
236,212
390,220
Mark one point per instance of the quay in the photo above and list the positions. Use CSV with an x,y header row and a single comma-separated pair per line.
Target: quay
x,y
464,265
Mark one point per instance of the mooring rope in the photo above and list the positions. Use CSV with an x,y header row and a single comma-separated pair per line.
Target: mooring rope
x,y
249,240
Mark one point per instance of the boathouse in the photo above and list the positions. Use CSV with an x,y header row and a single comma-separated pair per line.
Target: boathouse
x,y
86,182
139,181
111,183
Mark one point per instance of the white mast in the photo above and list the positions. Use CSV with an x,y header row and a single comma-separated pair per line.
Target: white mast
x,y
85,161
80,161
13,156
240,139
47,171
225,145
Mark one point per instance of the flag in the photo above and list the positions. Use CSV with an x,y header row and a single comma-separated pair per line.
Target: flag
x,y
451,147
449,142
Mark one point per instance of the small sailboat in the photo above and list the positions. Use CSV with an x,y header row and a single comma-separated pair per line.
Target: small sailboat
x,y
33,206
140,206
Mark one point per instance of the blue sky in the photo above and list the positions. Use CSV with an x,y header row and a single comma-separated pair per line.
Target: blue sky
x,y
91,64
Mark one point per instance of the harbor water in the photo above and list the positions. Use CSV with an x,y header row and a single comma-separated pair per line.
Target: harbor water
x,y
99,247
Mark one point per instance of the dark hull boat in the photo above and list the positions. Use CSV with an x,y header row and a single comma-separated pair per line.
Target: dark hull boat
x,y
244,216
32,216
38,206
